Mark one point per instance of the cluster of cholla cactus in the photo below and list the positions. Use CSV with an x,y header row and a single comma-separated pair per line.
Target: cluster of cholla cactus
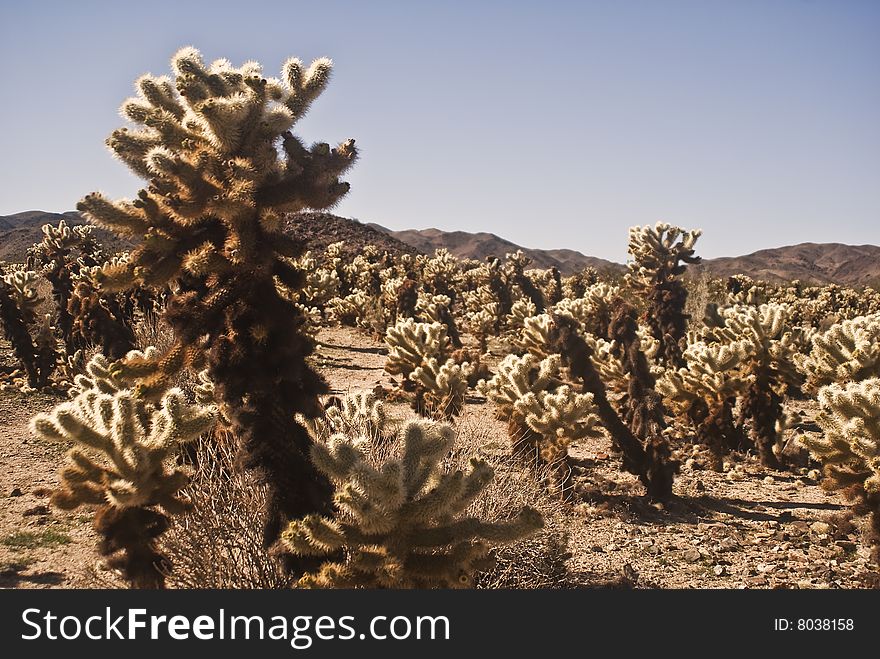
x,y
849,450
62,252
123,464
659,256
223,169
580,357
402,523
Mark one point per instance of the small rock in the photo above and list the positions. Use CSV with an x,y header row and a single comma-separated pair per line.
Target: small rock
x,y
769,480
16,492
755,581
846,545
728,544
814,474
719,570
612,547
692,555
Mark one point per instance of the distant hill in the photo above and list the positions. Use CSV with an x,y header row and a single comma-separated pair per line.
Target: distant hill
x,y
21,230
317,230
480,245
819,263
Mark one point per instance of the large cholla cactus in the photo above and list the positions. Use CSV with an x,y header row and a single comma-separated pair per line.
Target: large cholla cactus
x,y
847,351
658,257
223,170
769,364
401,524
705,392
122,463
850,448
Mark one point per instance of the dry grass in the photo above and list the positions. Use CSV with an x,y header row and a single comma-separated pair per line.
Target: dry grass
x,y
219,543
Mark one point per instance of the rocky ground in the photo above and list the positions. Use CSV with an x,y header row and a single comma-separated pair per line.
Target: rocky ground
x,y
747,527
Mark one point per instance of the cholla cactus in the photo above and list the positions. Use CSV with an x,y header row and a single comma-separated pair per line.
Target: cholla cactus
x,y
22,285
705,391
515,265
440,274
516,378
658,257
98,320
438,309
560,417
400,524
847,351
351,310
650,461
850,448
482,323
224,170
769,364
574,287
521,310
593,309
440,388
122,464
62,266
411,344
534,337
18,303
359,414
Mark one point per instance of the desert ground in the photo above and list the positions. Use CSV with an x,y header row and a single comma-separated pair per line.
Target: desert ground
x,y
747,527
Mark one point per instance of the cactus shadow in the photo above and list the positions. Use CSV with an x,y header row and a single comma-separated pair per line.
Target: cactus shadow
x,y
361,349
693,510
14,576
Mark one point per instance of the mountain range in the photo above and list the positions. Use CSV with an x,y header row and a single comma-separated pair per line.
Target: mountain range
x,y
819,263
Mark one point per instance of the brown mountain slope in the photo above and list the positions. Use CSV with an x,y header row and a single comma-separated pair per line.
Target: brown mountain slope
x,y
317,230
480,245
820,263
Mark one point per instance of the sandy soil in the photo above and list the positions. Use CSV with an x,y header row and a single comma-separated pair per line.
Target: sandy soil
x,y
746,528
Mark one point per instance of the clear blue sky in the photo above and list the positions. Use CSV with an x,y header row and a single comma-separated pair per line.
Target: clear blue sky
x,y
553,124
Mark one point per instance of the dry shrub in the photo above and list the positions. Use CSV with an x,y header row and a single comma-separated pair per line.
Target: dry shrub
x,y
219,543
538,561
150,329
